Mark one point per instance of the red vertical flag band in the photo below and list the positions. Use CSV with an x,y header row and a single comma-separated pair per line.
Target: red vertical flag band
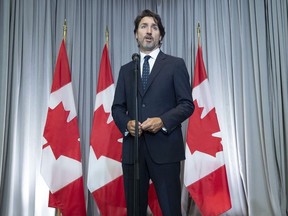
x,y
61,165
205,172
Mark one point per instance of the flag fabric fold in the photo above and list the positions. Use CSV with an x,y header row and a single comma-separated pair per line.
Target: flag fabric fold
x,y
61,165
105,177
204,172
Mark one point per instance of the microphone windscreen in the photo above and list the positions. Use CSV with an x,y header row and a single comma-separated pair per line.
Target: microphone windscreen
x,y
135,57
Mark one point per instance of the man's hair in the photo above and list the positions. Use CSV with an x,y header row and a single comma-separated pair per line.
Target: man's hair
x,y
156,18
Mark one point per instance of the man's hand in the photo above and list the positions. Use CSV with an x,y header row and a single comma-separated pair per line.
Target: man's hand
x,y
131,128
152,125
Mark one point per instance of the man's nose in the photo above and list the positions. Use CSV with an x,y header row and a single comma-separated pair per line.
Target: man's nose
x,y
149,30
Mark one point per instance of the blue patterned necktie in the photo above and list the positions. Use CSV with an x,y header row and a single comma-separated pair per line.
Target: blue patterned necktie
x,y
145,71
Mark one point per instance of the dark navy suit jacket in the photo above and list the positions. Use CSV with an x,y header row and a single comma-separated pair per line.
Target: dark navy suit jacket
x,y
168,95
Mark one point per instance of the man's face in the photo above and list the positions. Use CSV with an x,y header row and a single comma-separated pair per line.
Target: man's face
x,y
148,35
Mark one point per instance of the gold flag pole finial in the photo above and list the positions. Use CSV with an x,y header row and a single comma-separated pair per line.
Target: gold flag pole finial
x,y
65,30
199,34
107,36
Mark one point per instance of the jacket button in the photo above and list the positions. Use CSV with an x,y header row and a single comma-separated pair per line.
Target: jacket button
x,y
143,105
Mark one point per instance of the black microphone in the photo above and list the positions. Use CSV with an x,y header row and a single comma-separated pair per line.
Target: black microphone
x,y
135,57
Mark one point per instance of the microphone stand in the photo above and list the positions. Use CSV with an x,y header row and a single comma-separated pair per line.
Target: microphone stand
x,y
136,203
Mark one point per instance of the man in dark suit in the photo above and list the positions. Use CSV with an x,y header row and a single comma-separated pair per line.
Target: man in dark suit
x,y
164,102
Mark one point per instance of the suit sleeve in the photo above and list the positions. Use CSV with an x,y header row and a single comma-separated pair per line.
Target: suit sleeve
x,y
119,107
183,91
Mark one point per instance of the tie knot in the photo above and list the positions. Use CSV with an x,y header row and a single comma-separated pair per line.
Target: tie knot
x,y
147,57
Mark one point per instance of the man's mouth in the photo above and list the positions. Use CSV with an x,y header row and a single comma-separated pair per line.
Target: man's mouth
x,y
149,39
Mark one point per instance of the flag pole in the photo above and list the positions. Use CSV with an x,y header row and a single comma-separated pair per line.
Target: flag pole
x,y
198,29
107,36
199,34
64,37
65,30
58,212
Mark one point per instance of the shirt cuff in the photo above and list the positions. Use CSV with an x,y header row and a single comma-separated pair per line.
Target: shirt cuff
x,y
164,130
126,133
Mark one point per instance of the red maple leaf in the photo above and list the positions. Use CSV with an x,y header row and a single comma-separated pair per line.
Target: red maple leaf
x,y
104,138
199,136
62,136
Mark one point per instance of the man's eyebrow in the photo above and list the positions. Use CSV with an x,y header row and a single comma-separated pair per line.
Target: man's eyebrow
x,y
146,24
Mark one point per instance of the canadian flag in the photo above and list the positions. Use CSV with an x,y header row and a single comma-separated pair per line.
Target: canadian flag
x,y
105,180
105,177
205,172
61,165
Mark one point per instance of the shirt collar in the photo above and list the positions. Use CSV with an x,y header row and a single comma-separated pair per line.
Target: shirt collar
x,y
153,54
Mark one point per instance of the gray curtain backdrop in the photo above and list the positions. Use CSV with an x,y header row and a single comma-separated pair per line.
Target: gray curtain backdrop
x,y
245,47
